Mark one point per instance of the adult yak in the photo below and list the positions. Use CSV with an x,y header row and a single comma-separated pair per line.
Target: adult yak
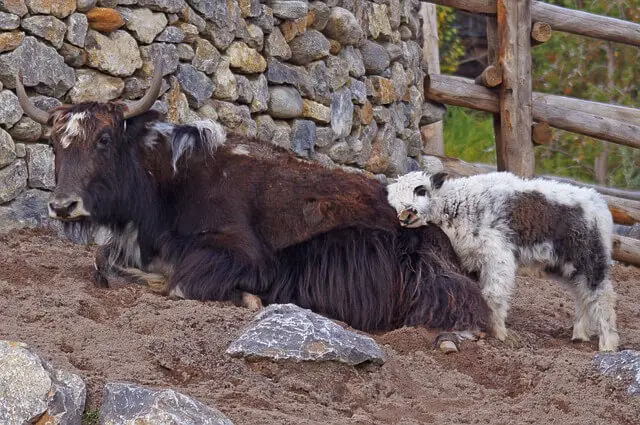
x,y
219,216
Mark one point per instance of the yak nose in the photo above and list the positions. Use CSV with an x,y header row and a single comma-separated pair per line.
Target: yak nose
x,y
64,208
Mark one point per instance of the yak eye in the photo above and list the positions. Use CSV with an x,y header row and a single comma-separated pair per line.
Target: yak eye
x,y
420,191
104,140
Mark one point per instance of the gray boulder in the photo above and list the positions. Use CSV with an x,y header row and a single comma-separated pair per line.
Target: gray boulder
x,y
41,167
284,102
288,332
308,47
343,27
289,9
10,110
116,54
13,180
47,27
623,365
7,149
195,84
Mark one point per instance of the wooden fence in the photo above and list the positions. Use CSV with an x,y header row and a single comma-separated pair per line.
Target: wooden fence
x,y
523,118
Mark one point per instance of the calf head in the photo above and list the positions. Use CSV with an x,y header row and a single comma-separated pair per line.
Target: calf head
x,y
411,196
86,139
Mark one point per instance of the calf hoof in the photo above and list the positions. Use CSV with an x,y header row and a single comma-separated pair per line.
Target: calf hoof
x,y
447,342
513,340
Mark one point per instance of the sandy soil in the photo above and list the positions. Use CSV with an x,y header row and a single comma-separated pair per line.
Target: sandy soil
x,y
130,334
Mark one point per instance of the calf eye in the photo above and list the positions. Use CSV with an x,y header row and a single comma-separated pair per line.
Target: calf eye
x,y
104,141
420,191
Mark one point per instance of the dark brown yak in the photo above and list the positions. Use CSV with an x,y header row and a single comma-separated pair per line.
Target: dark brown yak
x,y
219,216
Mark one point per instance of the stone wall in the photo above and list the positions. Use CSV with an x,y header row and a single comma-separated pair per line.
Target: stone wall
x,y
338,81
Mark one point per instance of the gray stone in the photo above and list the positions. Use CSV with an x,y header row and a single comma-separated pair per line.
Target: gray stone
x,y
225,85
73,56
321,88
9,21
50,28
259,88
116,54
413,140
143,23
379,26
265,127
13,180
344,27
398,117
288,332
178,110
394,13
323,12
208,112
185,52
284,102
10,110
250,8
325,160
124,403
28,210
381,114
196,85
222,18
21,150
236,118
399,80
289,9
85,5
394,51
342,112
170,6
281,73
26,130
189,16
165,52
77,26
353,58
7,149
411,54
276,46
190,31
375,57
46,103
358,91
405,33
308,47
171,35
623,366
253,36
303,138
33,388
324,136
94,86
337,72
397,158
40,164
265,19
432,112
17,7
276,132
207,57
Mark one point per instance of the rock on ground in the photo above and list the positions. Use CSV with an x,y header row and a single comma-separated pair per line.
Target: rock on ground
x,y
30,389
124,403
288,332
623,365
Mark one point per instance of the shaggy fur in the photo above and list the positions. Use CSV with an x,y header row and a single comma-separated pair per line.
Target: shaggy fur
x,y
222,216
498,221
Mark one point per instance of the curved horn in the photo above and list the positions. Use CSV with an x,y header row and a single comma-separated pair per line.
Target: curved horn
x,y
146,102
32,111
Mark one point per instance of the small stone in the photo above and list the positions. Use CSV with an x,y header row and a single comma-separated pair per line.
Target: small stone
x,y
92,86
265,127
235,118
381,114
379,161
284,102
245,59
405,33
73,56
398,159
394,51
166,53
190,31
168,6
222,19
253,36
282,135
250,8
342,112
178,111
321,88
366,113
379,26
276,46
358,91
10,110
316,111
265,19
206,58
29,210
303,138
171,35
16,7
128,403
383,91
353,57
21,150
196,85
399,80
225,86
7,149
116,54
85,5
40,164
185,52
77,26
144,24
322,13
208,112
291,29
189,16
334,47
308,47
337,72
344,27
13,180
10,40
375,57
47,27
104,19
432,112
394,13
413,140
9,21
324,136
25,130
297,76
260,90
288,9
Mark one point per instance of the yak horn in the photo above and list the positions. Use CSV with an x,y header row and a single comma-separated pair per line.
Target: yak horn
x,y
32,111
146,102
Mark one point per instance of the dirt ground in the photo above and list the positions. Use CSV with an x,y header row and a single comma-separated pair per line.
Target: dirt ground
x,y
129,334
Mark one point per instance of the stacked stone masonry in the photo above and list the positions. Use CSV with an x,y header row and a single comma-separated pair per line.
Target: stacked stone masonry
x,y
337,81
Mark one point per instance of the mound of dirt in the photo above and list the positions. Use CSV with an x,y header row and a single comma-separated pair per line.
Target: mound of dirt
x,y
130,334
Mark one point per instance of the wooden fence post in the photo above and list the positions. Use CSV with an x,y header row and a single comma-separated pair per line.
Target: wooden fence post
x,y
516,118
492,60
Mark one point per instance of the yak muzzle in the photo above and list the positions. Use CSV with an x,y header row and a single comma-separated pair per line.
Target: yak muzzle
x,y
409,218
67,208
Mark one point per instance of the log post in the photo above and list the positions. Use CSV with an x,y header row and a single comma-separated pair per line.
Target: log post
x,y
516,118
540,33
491,76
626,250
492,60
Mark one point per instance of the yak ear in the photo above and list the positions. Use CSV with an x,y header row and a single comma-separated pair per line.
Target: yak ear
x,y
437,179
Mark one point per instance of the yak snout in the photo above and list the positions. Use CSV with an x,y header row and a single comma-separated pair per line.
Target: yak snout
x,y
67,208
409,217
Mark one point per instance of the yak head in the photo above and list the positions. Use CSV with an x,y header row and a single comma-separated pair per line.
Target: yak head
x,y
412,196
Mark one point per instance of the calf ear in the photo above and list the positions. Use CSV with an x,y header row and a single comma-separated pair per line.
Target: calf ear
x,y
438,179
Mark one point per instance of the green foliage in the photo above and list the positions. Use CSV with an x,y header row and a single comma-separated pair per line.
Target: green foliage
x,y
451,48
468,135
91,417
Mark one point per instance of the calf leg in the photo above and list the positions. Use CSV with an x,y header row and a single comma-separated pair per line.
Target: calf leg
x,y
497,278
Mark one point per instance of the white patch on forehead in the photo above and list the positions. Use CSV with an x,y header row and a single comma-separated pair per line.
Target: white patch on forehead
x,y
240,150
73,129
